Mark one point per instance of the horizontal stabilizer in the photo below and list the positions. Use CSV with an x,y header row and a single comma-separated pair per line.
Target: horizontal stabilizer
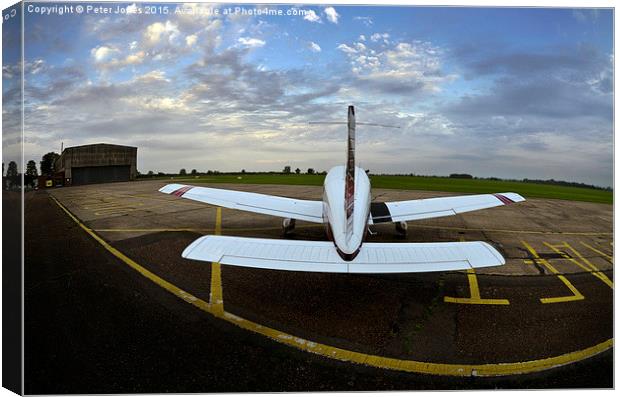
x,y
321,256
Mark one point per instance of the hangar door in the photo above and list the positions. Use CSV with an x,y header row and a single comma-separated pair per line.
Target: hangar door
x,y
112,173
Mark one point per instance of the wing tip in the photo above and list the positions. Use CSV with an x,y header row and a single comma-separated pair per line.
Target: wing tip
x,y
500,258
187,252
171,188
509,197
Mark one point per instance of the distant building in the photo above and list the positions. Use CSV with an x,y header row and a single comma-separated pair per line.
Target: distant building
x,y
98,163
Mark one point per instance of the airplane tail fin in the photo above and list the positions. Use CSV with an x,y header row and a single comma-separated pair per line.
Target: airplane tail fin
x,y
349,187
349,190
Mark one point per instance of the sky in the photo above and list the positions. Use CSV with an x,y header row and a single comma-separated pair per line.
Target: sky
x,y
502,92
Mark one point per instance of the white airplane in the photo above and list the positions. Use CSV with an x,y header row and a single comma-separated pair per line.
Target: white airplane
x,y
347,211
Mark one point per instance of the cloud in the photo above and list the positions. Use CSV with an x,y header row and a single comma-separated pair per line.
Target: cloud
x,y
401,69
586,15
561,83
346,49
103,53
314,47
251,42
107,57
365,20
197,79
191,40
312,17
159,32
380,37
331,14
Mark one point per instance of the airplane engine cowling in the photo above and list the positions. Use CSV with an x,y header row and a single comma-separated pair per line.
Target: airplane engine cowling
x,y
288,225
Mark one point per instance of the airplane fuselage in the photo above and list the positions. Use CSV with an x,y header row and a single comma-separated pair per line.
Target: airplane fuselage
x,y
347,238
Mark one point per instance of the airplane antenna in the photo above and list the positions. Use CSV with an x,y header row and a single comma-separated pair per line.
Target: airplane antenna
x,y
343,122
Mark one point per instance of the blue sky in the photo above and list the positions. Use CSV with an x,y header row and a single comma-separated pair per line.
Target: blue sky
x,y
506,92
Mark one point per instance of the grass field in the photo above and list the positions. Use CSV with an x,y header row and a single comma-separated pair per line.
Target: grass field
x,y
421,183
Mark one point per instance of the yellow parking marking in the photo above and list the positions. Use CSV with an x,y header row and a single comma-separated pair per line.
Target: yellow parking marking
x,y
474,293
100,206
216,296
169,200
349,355
117,211
114,208
186,296
154,230
607,256
537,259
586,265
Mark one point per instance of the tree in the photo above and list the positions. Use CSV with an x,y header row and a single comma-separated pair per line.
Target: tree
x,y
297,170
194,172
150,173
183,172
287,169
12,175
311,171
12,170
31,173
243,171
48,163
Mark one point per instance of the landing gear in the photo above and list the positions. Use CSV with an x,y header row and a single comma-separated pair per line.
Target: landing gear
x,y
401,228
288,226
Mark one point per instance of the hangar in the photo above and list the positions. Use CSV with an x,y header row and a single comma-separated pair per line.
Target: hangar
x,y
97,163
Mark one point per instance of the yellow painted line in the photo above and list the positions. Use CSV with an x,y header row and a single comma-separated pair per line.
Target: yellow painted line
x,y
216,295
474,293
168,200
100,207
114,210
590,268
349,355
559,299
596,271
420,366
473,284
153,230
186,296
576,294
113,213
609,258
88,202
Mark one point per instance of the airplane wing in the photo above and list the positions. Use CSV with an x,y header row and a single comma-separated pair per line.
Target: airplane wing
x,y
398,211
321,256
305,210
